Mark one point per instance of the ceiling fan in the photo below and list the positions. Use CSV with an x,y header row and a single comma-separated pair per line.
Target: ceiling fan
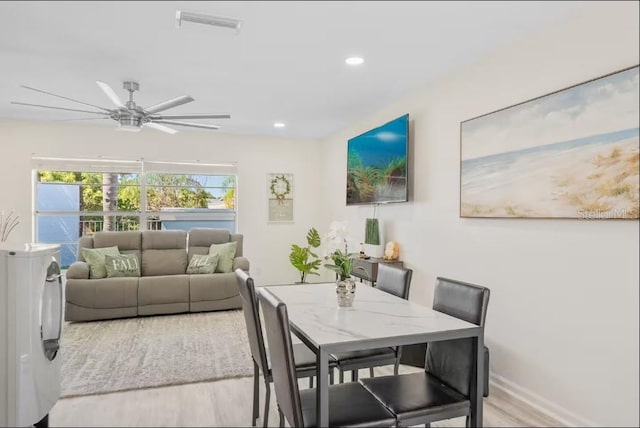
x,y
131,116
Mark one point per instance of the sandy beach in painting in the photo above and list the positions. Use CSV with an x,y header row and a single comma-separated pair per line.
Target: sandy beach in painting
x,y
591,178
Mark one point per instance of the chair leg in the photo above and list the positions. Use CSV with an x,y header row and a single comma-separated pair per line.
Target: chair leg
x,y
467,422
310,382
427,425
256,394
396,366
341,376
281,422
265,421
371,372
354,375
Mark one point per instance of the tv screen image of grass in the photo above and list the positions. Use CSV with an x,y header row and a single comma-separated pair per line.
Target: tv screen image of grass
x,y
570,154
377,164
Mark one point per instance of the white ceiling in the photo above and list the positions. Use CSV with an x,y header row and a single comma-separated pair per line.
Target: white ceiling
x,y
286,64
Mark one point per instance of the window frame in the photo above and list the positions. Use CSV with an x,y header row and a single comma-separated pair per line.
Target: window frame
x,y
142,168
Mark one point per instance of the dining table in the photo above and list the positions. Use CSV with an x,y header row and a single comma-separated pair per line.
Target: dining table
x,y
375,320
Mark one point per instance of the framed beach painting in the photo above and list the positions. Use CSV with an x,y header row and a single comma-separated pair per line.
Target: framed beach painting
x,y
570,154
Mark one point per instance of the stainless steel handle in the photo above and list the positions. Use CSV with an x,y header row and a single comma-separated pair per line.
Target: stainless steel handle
x,y
53,278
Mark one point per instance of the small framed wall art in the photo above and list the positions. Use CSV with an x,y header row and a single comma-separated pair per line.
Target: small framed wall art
x,y
280,198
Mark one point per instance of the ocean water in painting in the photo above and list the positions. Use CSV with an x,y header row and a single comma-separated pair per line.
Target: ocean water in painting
x,y
548,174
377,164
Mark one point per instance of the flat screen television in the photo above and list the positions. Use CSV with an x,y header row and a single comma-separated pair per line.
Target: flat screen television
x,y
377,170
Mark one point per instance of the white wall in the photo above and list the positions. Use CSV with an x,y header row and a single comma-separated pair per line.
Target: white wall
x,y
563,315
266,245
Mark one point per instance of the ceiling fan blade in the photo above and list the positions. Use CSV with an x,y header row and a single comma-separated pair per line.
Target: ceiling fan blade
x,y
60,108
79,118
64,98
161,128
169,104
109,92
192,116
191,124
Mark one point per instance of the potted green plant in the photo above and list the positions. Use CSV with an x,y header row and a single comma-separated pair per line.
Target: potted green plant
x,y
303,258
337,238
342,264
345,285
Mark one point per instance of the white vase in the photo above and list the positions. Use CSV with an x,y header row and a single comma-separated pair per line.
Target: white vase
x,y
345,292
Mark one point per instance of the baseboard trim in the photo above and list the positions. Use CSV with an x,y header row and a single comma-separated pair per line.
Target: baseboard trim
x,y
539,403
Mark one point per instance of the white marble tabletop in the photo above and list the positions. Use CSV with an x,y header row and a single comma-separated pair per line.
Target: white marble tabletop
x,y
375,317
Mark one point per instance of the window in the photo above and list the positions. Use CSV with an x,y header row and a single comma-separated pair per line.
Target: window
x,y
80,199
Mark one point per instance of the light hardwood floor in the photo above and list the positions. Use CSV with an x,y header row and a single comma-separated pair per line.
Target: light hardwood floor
x,y
227,403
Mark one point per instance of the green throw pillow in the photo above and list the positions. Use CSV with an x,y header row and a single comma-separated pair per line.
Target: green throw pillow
x,y
202,263
95,260
226,253
122,265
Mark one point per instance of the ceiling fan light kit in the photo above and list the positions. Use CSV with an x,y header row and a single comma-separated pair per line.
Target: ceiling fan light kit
x,y
132,117
201,18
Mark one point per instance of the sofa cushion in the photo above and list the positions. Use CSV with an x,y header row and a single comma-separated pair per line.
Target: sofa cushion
x,y
158,290
218,286
95,257
226,253
122,265
122,240
106,293
202,264
164,262
164,239
202,237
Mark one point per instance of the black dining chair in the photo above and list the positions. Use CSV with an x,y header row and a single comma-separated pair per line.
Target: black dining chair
x,y
349,403
304,358
444,389
393,280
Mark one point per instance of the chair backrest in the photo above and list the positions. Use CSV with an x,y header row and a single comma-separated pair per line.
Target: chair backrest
x,y
283,366
394,280
252,319
452,361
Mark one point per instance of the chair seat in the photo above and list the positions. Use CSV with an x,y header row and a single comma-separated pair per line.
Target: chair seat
x,y
304,358
366,358
350,404
417,395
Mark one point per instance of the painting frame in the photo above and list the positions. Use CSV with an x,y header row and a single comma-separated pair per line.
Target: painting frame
x,y
579,181
280,198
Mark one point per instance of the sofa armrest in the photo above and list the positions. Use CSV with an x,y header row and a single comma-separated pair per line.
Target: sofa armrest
x,y
241,263
78,270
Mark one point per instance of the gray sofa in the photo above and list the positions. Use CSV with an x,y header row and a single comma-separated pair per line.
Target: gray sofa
x,y
163,287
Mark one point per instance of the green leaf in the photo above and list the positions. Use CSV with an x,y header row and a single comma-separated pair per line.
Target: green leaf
x,y
313,238
303,259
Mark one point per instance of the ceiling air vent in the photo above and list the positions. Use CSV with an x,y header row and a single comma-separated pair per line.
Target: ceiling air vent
x,y
201,18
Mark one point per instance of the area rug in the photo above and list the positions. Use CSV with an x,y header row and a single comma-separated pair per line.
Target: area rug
x,y
134,353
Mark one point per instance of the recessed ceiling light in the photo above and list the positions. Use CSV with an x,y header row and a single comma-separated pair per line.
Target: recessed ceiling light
x,y
354,60
279,125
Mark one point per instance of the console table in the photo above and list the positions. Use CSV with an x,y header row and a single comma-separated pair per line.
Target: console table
x,y
367,269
